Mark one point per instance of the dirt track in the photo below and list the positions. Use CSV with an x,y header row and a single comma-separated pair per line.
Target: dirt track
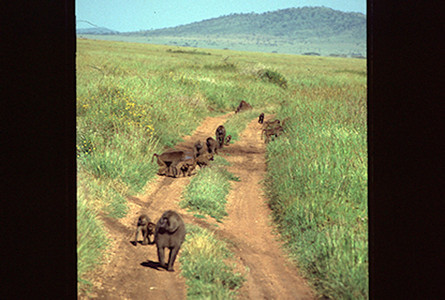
x,y
130,272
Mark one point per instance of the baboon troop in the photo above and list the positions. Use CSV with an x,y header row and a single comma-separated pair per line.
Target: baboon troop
x,y
271,129
169,233
243,106
146,228
173,163
220,134
261,118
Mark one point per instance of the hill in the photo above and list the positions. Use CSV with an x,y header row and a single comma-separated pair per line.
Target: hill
x,y
305,30
96,30
292,23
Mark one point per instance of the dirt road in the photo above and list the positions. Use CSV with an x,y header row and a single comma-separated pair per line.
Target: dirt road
x,y
130,271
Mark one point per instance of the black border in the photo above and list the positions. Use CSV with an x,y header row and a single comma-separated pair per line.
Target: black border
x,y
404,106
38,139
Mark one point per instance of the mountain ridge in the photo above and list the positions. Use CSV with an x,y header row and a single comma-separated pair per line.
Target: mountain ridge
x,y
284,22
317,30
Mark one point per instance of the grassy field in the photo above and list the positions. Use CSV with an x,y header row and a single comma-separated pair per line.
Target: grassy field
x,y
137,99
271,44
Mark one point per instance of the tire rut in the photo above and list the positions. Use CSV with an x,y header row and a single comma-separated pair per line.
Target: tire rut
x,y
248,226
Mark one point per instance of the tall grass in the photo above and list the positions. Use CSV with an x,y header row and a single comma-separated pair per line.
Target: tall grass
x,y
91,239
205,264
235,125
207,191
317,186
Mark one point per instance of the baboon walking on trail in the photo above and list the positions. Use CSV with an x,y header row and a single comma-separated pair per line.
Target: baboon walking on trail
x,y
220,135
169,233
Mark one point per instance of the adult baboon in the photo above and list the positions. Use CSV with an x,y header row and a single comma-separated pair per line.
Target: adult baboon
x,y
169,233
212,146
167,162
198,149
220,135
261,118
187,166
204,159
146,228
271,124
243,106
228,138
270,132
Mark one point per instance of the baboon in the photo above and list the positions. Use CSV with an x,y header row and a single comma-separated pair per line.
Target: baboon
x,y
261,118
212,146
204,159
198,149
220,135
228,138
146,228
187,166
243,106
169,233
270,132
271,124
167,162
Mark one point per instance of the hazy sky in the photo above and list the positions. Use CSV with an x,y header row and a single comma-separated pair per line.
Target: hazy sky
x,y
134,15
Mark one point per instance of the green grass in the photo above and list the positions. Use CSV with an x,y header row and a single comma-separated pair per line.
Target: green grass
x,y
236,124
205,264
91,239
207,191
137,99
317,186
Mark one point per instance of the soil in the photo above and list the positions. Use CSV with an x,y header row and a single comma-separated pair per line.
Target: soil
x,y
130,272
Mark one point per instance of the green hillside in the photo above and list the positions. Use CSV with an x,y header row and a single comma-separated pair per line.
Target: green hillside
x,y
314,30
292,23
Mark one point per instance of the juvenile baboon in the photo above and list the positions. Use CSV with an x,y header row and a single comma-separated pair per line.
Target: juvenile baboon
x,y
243,106
261,118
228,138
167,162
270,132
198,149
204,159
187,166
220,135
169,233
146,228
212,146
